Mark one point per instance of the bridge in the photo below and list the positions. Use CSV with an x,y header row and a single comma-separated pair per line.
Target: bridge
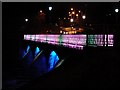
x,y
73,41
45,53
42,54
55,48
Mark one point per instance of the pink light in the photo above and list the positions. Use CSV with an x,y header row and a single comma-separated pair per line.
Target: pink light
x,y
27,37
110,40
105,40
72,41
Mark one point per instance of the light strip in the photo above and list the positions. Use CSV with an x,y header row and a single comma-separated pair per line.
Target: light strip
x,y
73,41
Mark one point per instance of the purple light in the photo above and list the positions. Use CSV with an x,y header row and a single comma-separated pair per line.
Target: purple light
x,y
99,40
74,39
110,40
71,41
27,37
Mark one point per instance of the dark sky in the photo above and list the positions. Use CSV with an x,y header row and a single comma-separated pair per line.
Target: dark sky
x,y
14,13
31,8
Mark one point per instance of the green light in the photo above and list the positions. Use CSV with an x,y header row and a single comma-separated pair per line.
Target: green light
x,y
91,39
60,40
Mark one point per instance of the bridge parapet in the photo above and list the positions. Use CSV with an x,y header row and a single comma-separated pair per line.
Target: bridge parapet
x,y
73,41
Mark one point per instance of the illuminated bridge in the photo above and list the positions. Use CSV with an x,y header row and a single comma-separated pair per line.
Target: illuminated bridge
x,y
72,41
42,53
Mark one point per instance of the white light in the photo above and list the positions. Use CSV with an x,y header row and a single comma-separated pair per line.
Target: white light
x,y
26,20
76,15
66,32
60,31
116,10
71,20
73,12
71,8
41,11
83,16
50,8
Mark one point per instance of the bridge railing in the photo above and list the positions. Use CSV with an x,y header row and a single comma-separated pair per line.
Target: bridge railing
x,y
73,41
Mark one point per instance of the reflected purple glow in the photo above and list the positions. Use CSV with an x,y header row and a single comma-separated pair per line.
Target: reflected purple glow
x,y
72,41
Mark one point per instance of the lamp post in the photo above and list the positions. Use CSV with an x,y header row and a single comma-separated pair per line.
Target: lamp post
x,y
71,20
50,22
84,17
116,25
116,11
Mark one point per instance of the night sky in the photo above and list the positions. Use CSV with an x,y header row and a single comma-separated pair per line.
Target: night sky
x,y
94,11
14,14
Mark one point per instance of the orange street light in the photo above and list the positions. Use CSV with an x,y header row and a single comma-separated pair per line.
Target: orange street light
x,y
73,12
76,15
71,20
71,8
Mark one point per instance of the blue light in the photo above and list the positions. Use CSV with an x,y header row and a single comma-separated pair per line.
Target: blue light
x,y
23,52
37,50
40,66
28,58
28,47
53,58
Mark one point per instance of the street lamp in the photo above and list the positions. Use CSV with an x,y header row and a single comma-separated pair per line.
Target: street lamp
x,y
50,18
26,20
116,10
76,15
71,20
71,8
40,11
116,27
84,17
50,8
73,12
